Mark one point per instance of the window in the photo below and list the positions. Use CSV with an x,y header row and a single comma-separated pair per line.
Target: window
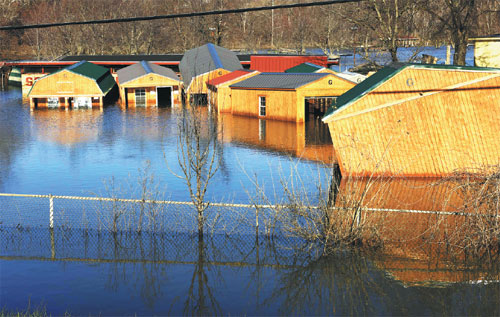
x,y
262,106
140,97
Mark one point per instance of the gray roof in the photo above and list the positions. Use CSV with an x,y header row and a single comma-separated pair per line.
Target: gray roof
x,y
206,58
279,80
143,68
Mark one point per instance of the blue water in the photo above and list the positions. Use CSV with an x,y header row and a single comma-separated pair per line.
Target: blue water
x,y
97,273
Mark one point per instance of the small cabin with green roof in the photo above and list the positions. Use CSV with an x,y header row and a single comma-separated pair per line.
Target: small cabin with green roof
x,y
81,85
417,120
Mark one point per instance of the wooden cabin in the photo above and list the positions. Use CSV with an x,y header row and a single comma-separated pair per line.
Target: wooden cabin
x,y
418,120
204,63
219,93
82,85
487,51
287,97
148,85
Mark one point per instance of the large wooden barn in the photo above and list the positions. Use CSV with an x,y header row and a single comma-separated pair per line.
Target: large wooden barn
x,y
82,85
418,120
146,84
288,97
219,93
205,63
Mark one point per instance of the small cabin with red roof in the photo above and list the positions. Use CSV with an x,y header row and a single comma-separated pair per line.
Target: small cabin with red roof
x,y
219,93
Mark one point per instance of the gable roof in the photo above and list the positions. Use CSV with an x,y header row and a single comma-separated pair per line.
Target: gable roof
x,y
99,74
87,69
206,58
279,80
143,68
304,68
381,77
228,77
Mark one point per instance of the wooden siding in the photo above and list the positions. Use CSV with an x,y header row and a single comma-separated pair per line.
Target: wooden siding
x,y
65,84
220,97
287,105
149,82
198,84
421,122
487,53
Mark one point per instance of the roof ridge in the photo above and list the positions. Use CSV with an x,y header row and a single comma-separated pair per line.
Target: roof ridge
x,y
146,67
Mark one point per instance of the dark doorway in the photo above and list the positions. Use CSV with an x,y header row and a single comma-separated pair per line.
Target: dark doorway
x,y
164,95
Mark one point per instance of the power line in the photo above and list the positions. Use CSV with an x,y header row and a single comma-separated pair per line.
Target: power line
x,y
179,15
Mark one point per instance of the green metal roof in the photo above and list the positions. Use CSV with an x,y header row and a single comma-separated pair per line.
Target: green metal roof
x,y
106,84
380,77
87,69
304,68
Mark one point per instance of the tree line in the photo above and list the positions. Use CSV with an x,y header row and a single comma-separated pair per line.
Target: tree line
x,y
370,23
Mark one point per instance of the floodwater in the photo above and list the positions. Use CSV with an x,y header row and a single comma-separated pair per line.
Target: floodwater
x,y
88,271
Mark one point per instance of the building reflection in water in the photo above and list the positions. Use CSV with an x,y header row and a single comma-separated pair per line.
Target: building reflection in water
x,y
67,127
310,140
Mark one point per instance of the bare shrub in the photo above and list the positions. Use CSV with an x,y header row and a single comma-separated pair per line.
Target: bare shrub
x,y
475,232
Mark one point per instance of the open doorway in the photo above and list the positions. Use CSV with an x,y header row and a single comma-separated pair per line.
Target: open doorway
x,y
164,96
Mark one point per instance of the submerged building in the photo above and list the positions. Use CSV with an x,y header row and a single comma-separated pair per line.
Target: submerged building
x,y
287,97
82,85
418,120
205,63
146,84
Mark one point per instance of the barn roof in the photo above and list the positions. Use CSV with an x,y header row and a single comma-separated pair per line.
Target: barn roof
x,y
206,58
228,77
87,69
304,68
143,68
99,74
279,80
382,76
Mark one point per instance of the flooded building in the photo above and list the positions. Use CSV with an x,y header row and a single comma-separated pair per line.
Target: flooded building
x,y
146,84
418,120
287,97
82,85
205,63
313,68
219,93
487,51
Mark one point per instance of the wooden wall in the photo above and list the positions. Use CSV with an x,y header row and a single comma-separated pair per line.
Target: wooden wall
x,y
287,105
65,83
148,82
411,125
198,84
487,53
221,99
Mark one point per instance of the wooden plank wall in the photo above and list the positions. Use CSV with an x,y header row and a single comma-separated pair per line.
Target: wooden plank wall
x,y
198,84
433,135
65,83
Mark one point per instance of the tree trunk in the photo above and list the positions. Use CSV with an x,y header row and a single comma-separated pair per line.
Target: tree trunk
x,y
460,51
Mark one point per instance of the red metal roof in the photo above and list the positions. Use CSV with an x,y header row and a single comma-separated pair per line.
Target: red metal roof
x,y
225,78
272,64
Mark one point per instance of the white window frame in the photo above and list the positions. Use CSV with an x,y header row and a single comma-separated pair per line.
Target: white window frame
x,y
143,90
262,106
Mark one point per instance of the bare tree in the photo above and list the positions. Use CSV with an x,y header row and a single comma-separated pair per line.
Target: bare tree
x,y
197,148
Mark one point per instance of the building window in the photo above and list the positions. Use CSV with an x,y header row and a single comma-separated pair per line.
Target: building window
x,y
140,97
52,102
262,106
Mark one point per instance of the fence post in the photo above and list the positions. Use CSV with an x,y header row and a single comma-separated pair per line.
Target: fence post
x,y
51,216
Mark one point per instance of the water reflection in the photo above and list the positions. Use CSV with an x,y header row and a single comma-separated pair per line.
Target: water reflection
x,y
174,273
67,127
309,140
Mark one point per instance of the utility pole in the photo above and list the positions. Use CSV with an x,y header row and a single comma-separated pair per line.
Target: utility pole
x,y
272,24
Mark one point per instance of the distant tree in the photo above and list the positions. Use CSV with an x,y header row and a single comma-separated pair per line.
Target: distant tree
x,y
457,18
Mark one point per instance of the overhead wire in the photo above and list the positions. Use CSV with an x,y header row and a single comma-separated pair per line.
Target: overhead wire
x,y
178,15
